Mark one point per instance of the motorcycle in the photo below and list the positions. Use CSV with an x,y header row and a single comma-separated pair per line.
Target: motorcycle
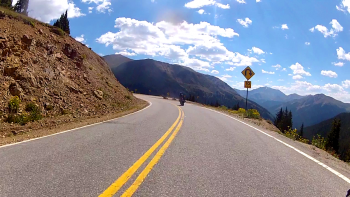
x,y
182,100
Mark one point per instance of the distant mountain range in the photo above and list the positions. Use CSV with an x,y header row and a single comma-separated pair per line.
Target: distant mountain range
x,y
309,110
268,97
158,78
324,127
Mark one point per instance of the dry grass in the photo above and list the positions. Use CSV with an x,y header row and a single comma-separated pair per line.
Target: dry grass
x,y
21,17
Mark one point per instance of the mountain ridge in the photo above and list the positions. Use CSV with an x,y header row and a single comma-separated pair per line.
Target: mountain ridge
x,y
154,77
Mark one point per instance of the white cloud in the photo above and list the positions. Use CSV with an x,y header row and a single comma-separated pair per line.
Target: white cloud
x,y
230,69
336,27
298,69
197,64
297,77
201,3
223,6
90,9
126,53
258,1
102,5
284,69
342,55
49,10
340,64
346,84
224,77
215,72
345,4
80,38
277,66
266,72
333,87
241,1
263,60
329,73
201,11
284,26
169,40
307,43
245,23
256,50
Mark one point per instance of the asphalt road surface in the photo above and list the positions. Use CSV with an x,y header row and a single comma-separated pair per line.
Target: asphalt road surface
x,y
164,150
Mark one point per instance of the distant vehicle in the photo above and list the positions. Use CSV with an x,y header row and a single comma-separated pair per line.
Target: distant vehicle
x,y
182,99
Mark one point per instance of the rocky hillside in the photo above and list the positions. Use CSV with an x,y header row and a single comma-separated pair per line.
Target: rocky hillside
x,y
42,65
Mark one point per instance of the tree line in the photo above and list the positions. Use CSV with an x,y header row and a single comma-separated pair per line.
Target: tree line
x,y
22,7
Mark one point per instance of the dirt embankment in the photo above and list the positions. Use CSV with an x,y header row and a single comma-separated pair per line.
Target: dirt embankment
x,y
66,80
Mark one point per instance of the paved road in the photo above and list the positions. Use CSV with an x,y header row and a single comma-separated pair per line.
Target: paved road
x,y
205,154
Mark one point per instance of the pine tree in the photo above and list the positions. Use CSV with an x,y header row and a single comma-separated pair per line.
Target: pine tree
x,y
302,130
63,22
6,3
278,118
333,136
22,7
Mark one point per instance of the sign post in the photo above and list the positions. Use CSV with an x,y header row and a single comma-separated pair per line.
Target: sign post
x,y
248,74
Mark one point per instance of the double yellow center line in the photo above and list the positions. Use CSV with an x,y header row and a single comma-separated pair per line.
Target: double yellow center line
x,y
114,188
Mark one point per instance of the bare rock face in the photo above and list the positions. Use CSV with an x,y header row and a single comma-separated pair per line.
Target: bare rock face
x,y
69,51
15,89
28,43
98,94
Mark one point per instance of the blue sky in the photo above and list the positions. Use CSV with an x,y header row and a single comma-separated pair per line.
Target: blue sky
x,y
295,46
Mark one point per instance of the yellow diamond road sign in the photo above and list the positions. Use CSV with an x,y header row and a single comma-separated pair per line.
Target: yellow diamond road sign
x,y
248,73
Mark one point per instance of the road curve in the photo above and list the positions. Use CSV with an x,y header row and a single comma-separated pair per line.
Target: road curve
x,y
203,153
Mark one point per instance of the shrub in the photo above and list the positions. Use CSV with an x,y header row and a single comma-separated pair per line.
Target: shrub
x,y
292,134
241,111
13,104
83,56
253,113
223,107
128,97
21,119
319,142
57,31
28,22
34,112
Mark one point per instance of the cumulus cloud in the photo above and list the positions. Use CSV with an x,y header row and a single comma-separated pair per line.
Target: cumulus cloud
x,y
225,77
169,40
336,27
102,5
297,77
344,6
126,53
342,55
277,66
201,3
256,50
245,23
201,11
258,1
346,84
266,72
230,69
329,73
307,43
80,38
284,26
241,1
215,72
298,69
90,9
49,10
340,64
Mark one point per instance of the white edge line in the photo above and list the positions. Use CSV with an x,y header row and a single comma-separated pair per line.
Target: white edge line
x,y
7,145
297,150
